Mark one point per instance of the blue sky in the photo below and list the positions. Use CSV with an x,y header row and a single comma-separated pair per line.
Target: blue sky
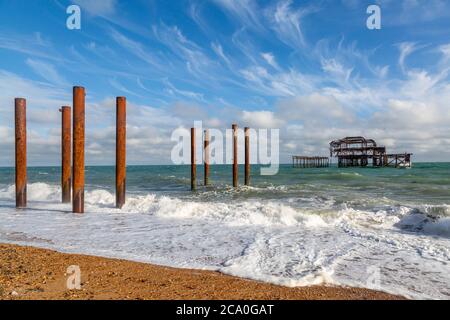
x,y
311,68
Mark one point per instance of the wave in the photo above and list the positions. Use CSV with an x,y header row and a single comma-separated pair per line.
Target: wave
x,y
281,241
426,219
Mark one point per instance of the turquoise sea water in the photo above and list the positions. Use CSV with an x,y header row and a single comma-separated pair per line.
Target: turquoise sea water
x,y
425,182
299,227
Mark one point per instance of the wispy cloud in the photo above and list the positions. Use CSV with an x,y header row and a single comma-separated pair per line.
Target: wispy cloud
x,y
196,61
134,47
217,48
287,23
245,11
34,45
46,71
185,93
406,49
121,88
270,59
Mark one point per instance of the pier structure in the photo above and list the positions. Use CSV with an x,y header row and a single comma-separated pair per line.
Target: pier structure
x,y
78,144
362,152
235,156
193,163
206,157
73,128
20,115
310,162
66,154
247,156
121,141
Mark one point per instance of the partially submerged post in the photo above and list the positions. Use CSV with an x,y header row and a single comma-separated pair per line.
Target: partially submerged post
x,y
235,155
21,152
193,165
206,156
78,149
66,153
121,124
247,156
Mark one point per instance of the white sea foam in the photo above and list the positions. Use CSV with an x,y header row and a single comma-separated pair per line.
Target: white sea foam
x,y
277,241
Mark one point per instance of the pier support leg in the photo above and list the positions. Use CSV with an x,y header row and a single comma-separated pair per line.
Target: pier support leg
x,y
193,164
247,156
66,153
206,156
121,129
21,152
235,155
78,149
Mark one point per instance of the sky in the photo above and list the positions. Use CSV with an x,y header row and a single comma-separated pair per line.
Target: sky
x,y
309,68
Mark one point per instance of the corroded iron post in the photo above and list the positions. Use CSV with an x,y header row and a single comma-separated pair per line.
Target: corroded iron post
x,y
121,126
78,149
193,164
206,156
21,152
247,156
66,153
235,155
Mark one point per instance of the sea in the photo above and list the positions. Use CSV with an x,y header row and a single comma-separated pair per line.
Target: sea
x,y
380,228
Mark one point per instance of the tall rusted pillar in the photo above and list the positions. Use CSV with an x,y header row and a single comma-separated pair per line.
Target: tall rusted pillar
x,y
206,156
66,153
78,149
247,156
21,152
235,155
193,164
121,127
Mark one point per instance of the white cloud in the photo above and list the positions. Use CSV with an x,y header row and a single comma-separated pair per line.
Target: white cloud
x,y
217,48
286,21
33,45
337,70
193,57
185,93
406,48
46,71
135,48
261,119
121,88
245,11
270,59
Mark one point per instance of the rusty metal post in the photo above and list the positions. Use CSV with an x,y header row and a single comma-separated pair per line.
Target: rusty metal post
x,y
206,156
193,164
247,156
235,155
66,153
121,127
21,152
78,149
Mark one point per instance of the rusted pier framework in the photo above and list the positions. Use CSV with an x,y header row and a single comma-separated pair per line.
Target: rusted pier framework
x,y
66,153
399,160
310,162
121,141
362,152
78,150
21,152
